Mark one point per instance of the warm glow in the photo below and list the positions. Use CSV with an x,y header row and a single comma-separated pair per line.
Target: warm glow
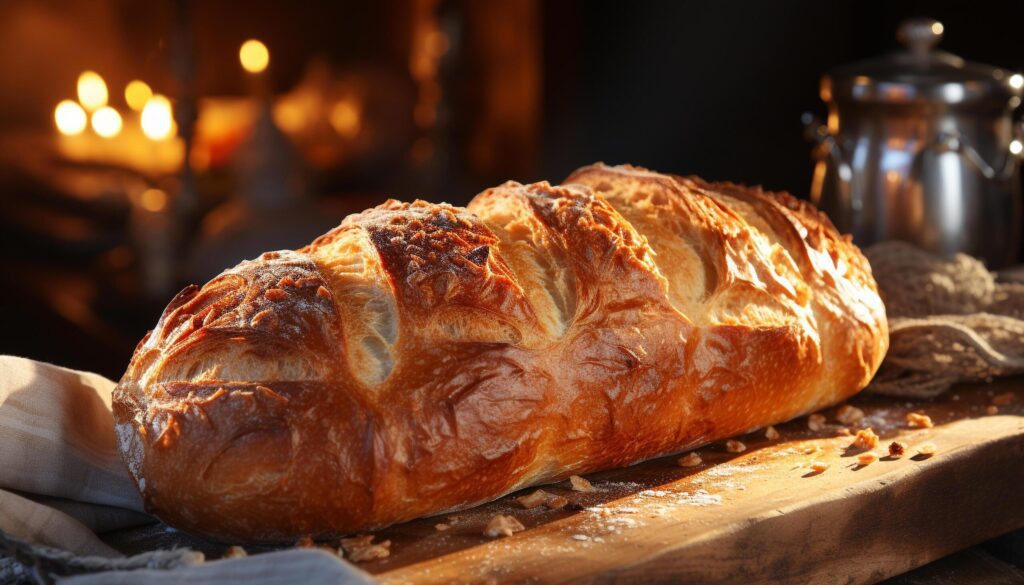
x,y
1016,147
136,94
289,116
422,149
106,122
157,120
92,91
153,200
345,119
937,28
254,56
1017,81
70,118
199,158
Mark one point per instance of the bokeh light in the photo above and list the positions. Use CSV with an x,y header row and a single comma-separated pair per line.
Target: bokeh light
x,y
136,94
157,118
70,118
92,91
106,122
254,56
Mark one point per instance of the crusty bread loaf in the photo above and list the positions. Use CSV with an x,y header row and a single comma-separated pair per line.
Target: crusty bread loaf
x,y
422,358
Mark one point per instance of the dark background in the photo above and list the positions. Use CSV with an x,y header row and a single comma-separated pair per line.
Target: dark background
x,y
717,88
709,88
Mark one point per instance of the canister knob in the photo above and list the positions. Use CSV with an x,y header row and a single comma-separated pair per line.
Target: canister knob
x,y
920,34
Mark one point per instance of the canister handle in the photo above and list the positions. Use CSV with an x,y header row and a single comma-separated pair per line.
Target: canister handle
x,y
828,145
956,142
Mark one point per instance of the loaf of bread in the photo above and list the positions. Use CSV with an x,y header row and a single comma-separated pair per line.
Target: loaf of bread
x,y
424,358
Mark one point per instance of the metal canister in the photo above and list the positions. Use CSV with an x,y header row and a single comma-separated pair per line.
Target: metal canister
x,y
921,146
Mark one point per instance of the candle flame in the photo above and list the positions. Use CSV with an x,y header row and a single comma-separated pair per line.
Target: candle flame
x,y
70,118
157,119
106,122
92,90
136,94
254,56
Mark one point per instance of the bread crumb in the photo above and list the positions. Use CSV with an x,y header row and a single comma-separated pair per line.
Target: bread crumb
x,y
502,525
734,446
305,542
533,500
356,541
360,549
441,526
770,433
556,502
925,450
848,414
865,459
917,420
1003,399
816,422
579,484
818,467
865,439
991,410
691,459
234,552
897,449
843,432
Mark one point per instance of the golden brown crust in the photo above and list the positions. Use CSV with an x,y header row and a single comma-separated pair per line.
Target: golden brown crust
x,y
422,358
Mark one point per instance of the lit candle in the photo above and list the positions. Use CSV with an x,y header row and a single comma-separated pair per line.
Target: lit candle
x,y
255,58
70,118
106,122
136,94
157,119
92,91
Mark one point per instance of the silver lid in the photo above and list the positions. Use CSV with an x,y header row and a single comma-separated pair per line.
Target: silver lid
x,y
919,73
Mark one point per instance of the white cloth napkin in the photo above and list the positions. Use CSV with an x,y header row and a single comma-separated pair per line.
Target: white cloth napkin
x,y
62,483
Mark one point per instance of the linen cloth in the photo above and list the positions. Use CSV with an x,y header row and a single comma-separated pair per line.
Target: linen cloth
x,y
950,320
62,484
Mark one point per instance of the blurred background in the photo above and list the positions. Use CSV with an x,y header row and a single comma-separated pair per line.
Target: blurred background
x,y
146,145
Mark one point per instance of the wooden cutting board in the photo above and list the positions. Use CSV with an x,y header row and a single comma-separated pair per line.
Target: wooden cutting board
x,y
755,517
